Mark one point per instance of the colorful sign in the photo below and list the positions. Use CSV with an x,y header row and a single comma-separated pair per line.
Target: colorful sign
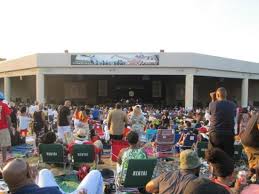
x,y
115,59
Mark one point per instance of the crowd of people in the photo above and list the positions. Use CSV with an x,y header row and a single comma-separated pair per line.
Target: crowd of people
x,y
221,125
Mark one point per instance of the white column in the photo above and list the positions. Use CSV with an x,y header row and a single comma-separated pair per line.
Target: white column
x,y
244,92
189,78
40,93
7,88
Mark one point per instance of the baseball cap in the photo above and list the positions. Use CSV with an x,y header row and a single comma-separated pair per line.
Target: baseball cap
x,y
2,96
189,160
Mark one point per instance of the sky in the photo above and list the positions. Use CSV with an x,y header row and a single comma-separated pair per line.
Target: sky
x,y
226,28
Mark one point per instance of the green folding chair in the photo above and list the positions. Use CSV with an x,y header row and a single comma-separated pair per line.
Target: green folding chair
x,y
139,173
201,148
52,154
82,153
238,149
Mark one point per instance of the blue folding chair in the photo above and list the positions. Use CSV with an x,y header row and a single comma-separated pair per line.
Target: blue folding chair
x,y
189,141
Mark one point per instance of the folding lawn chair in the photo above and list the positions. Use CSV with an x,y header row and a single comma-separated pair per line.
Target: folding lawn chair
x,y
82,153
52,154
201,148
189,141
138,174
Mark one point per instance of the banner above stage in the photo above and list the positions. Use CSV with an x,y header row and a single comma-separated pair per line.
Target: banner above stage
x,y
115,59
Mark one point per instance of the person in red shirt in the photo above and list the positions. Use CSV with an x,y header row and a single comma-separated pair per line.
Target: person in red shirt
x,y
5,126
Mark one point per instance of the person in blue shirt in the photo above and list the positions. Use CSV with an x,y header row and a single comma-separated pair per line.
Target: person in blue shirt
x,y
222,122
96,113
20,179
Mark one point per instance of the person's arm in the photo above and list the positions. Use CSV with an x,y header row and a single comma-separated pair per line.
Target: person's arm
x,y
153,185
126,120
119,160
7,111
213,96
109,118
8,118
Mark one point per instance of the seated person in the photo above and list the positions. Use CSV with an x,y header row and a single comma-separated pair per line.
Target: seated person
x,y
204,186
81,138
176,181
132,152
19,177
222,168
48,138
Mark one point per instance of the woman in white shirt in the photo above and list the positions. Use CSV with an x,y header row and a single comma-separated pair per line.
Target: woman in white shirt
x,y
24,123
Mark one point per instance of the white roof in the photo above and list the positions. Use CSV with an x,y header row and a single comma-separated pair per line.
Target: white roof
x,y
178,60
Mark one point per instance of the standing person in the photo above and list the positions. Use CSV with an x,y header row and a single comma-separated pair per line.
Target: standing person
x,y
50,114
13,115
5,126
117,121
138,120
250,140
222,122
96,113
243,120
39,123
24,122
64,120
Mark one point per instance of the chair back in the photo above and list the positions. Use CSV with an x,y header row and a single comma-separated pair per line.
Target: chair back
x,y
189,140
139,172
82,153
201,148
52,153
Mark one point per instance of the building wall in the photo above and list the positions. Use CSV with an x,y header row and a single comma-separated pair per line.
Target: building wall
x,y
24,88
55,89
253,94
2,84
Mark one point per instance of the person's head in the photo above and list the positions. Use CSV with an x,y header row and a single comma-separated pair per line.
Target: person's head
x,y
67,103
221,164
132,138
82,108
189,160
12,104
221,93
40,107
188,124
244,110
23,109
17,174
49,138
137,110
118,105
204,186
2,96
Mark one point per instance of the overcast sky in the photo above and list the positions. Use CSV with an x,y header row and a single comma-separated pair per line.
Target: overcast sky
x,y
227,28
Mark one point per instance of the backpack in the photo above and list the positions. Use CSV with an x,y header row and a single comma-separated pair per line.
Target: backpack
x,y
83,171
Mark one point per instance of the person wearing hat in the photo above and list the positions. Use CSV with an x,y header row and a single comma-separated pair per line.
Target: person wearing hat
x,y
176,181
5,127
81,137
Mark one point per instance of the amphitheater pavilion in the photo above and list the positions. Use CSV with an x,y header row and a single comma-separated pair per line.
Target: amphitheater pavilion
x,y
93,78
